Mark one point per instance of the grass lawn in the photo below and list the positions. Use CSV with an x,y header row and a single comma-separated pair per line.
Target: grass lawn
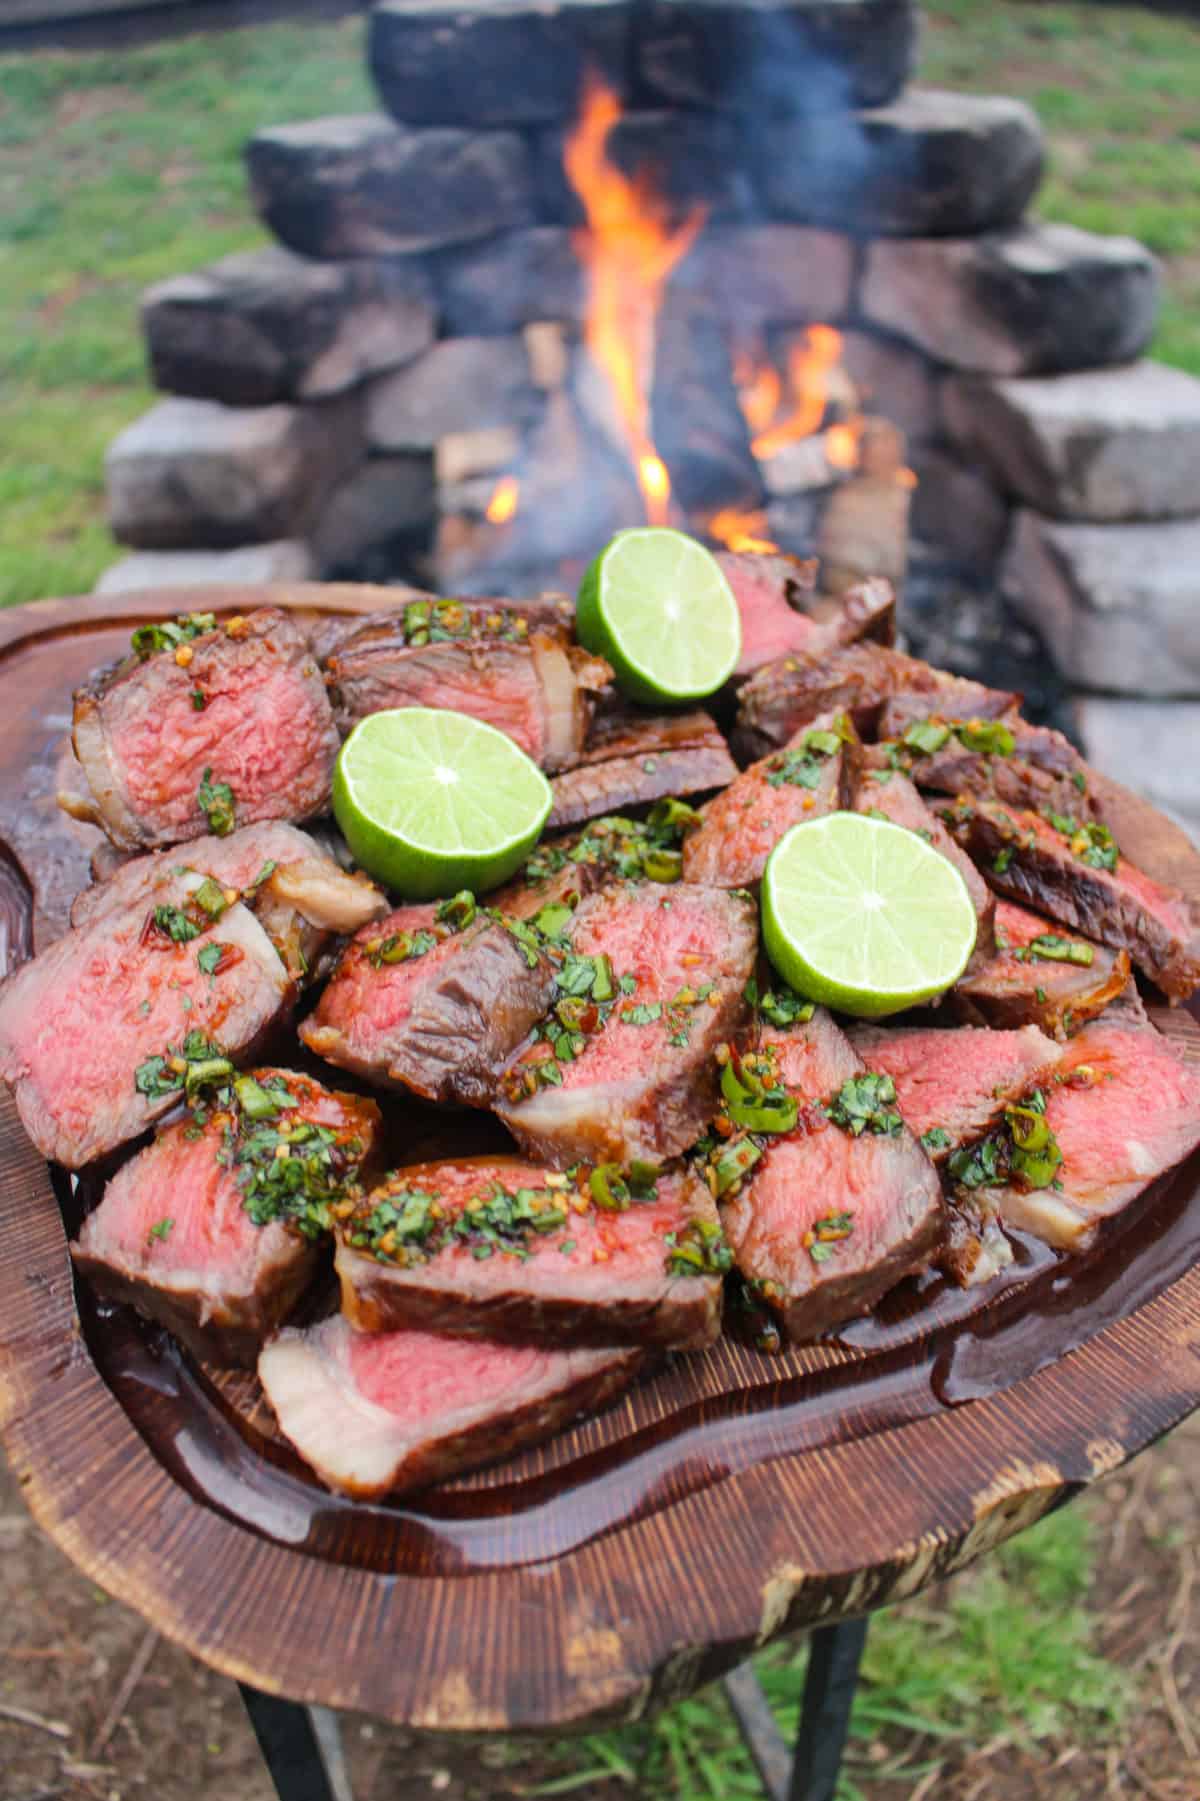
x,y
116,170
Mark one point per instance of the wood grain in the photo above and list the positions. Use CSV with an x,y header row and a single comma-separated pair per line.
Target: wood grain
x,y
727,1498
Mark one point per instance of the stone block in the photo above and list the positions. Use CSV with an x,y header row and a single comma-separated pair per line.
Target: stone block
x,y
793,521
286,560
1109,444
192,474
698,427
465,454
892,379
387,497
1138,742
265,325
958,509
692,159
487,63
779,57
462,384
1118,605
755,276
360,185
932,164
510,281
1036,300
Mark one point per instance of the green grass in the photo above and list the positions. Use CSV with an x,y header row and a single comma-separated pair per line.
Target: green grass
x,y
1008,1658
117,170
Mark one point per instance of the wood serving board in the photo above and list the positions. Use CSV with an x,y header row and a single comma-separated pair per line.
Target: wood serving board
x,y
728,1497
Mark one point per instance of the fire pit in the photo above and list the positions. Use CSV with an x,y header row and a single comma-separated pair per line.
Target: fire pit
x,y
696,261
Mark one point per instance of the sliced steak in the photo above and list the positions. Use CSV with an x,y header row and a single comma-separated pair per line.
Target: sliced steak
x,y
1073,872
486,660
632,760
1124,1108
1039,976
102,1033
790,692
493,1247
299,894
626,1071
780,612
376,1415
830,1214
488,615
212,1233
433,998
887,794
815,773
953,1084
1003,759
203,727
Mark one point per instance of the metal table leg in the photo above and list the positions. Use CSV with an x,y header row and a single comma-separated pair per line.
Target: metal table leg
x,y
291,1749
812,1774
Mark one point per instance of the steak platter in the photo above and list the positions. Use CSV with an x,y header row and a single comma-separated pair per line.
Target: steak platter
x,y
438,1178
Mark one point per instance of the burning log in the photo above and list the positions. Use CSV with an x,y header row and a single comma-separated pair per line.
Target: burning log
x,y
864,530
698,425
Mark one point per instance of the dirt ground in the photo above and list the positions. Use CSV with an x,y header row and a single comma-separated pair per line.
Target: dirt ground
x,y
95,1706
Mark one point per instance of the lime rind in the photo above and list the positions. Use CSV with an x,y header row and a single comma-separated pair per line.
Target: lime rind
x,y
864,916
657,604
430,801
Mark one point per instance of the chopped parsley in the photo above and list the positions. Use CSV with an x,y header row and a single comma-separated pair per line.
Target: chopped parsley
x,y
161,1229
196,1061
1087,840
173,923
935,1139
865,1104
408,1226
1002,859
1022,1150
442,621
398,947
216,801
169,634
637,850
824,1235
209,957
781,1006
804,765
643,1014
698,1249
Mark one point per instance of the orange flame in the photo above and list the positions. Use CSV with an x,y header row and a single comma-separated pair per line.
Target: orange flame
x,y
628,251
503,504
760,389
740,530
809,363
841,445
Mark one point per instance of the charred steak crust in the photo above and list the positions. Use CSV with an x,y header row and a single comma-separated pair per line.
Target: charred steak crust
x,y
1073,872
440,1021
643,1084
633,763
172,1236
596,1277
488,659
349,1406
243,701
1017,986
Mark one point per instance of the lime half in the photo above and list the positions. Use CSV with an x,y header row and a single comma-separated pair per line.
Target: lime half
x,y
864,916
432,801
658,606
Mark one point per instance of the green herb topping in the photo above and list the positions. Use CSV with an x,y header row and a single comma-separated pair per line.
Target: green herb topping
x,y
634,849
188,1066
826,1234
1091,842
1050,948
161,1229
782,1006
173,923
935,1139
1022,1150
699,1249
440,621
804,765
866,1104
169,634
215,800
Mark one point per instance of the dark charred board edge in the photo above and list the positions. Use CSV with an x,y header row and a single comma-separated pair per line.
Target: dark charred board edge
x,y
635,1619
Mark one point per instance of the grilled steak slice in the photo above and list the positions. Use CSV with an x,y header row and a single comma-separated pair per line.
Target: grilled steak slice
x,y
887,794
1124,1108
1074,873
1038,976
791,692
953,1085
486,616
299,894
1004,759
102,1033
486,660
626,1070
815,773
490,1247
630,761
424,1001
388,1413
204,726
780,613
837,1210
206,1233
